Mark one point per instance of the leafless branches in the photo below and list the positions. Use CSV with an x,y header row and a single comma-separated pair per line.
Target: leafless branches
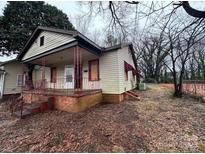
x,y
191,11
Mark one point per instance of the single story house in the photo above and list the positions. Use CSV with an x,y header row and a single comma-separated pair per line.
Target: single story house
x,y
77,72
11,77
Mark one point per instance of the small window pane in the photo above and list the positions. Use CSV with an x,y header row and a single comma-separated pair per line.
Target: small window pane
x,y
19,80
41,40
69,78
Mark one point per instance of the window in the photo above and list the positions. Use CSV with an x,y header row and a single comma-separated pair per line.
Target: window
x,y
41,40
69,73
127,68
19,81
53,74
94,70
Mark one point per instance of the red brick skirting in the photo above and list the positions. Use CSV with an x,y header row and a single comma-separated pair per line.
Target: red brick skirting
x,y
70,103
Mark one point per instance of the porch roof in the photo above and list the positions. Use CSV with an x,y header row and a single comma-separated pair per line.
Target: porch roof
x,y
80,40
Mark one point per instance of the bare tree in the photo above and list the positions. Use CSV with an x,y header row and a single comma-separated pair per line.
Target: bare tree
x,y
180,50
152,57
191,11
82,24
199,57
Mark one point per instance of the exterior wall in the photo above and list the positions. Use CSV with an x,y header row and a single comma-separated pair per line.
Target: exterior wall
x,y
37,76
51,40
125,55
109,73
112,74
12,69
60,83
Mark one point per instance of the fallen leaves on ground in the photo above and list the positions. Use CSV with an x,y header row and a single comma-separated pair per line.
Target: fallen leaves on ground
x,y
157,123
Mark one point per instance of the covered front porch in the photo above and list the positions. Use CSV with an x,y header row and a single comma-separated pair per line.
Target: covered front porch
x,y
70,76
72,71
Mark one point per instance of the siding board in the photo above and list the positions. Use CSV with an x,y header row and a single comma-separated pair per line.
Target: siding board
x,y
51,40
12,69
125,55
109,72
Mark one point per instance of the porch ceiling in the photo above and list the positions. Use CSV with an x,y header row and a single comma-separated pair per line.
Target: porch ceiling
x,y
65,56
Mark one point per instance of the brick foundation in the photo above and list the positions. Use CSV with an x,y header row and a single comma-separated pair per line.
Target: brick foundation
x,y
113,98
75,103
68,103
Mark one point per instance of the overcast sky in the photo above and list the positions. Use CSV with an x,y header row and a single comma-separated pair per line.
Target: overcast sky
x,y
73,9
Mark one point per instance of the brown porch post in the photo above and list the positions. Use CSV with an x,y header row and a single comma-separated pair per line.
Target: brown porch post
x,y
77,69
43,82
29,82
24,79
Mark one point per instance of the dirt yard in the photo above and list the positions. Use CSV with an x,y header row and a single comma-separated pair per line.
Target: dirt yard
x,y
157,123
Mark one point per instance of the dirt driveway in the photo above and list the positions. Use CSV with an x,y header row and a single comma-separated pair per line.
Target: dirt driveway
x,y
157,123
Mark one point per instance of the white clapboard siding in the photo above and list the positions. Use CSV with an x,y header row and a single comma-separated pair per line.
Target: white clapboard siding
x,y
109,73
12,70
125,55
51,41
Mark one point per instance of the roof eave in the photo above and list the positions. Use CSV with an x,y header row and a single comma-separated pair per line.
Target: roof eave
x,y
36,33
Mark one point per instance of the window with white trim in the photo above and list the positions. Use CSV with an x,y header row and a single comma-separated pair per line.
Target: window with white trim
x,y
19,80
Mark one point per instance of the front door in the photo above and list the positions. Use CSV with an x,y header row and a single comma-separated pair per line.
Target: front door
x,y
69,77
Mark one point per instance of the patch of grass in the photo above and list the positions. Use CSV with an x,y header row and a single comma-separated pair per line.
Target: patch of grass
x,y
165,149
57,138
147,106
190,133
201,146
118,149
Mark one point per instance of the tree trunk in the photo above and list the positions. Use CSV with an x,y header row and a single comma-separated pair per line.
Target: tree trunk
x,y
178,91
177,86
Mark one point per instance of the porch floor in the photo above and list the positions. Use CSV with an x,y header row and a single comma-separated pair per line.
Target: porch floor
x,y
63,92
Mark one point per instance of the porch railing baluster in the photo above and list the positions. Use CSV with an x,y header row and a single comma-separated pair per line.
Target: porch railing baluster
x,y
61,86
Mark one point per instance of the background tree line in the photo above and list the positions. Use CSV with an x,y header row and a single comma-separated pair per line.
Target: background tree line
x,y
169,48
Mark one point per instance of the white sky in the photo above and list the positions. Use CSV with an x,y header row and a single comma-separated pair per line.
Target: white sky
x,y
73,9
